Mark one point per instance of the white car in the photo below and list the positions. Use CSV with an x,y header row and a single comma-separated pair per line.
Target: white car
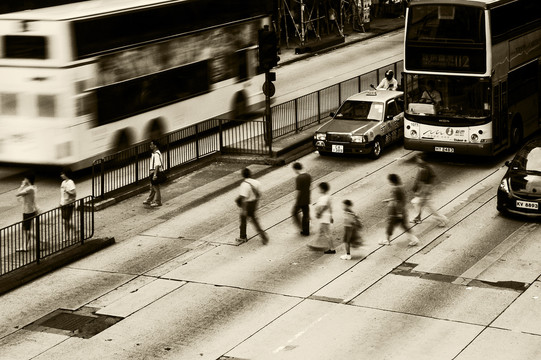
x,y
364,124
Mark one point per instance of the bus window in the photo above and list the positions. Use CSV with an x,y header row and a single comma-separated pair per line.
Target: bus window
x,y
8,104
25,47
46,106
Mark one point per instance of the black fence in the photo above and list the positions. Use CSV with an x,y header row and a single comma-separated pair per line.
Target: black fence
x,y
131,166
45,234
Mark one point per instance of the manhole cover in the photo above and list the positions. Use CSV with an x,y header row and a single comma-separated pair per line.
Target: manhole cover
x,y
83,323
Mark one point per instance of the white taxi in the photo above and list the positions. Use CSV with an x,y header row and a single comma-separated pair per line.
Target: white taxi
x,y
364,124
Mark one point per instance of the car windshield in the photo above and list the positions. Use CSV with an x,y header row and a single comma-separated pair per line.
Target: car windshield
x,y
360,110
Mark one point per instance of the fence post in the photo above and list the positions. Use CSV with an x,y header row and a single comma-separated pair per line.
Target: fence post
x,y
168,152
296,115
319,107
359,83
82,220
102,177
221,137
137,165
38,239
196,141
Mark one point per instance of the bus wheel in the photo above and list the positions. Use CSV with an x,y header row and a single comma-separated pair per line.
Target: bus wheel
x,y
240,105
376,148
516,134
155,129
123,140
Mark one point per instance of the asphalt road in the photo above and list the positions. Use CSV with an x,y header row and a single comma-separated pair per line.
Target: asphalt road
x,y
182,289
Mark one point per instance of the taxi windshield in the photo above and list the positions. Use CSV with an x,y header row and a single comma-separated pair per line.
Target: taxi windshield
x,y
360,111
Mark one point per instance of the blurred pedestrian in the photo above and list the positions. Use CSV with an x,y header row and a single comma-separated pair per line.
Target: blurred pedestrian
x,y
249,195
27,192
388,82
68,195
352,227
423,189
397,213
154,198
324,214
302,204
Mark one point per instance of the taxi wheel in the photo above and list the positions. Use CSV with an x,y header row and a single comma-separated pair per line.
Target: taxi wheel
x,y
376,149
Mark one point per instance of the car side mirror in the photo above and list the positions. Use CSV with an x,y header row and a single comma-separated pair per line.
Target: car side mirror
x,y
332,114
507,163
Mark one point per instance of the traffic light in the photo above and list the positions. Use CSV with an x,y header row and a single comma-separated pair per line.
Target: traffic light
x,y
268,49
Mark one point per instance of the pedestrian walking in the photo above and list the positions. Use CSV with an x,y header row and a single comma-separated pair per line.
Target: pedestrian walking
x,y
302,203
154,198
352,227
324,214
68,195
27,192
423,188
397,213
249,195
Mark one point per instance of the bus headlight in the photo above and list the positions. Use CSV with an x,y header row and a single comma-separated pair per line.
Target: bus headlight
x,y
320,136
413,133
474,138
358,138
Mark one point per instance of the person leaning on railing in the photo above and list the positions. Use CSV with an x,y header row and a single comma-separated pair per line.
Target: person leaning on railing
x,y
68,195
27,192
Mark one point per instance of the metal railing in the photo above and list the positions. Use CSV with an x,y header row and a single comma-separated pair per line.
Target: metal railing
x,y
189,144
32,240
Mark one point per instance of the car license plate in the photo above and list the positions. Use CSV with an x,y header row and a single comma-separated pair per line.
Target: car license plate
x,y
444,149
337,148
527,205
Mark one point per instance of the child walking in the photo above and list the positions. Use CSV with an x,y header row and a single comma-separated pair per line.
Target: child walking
x,y
352,225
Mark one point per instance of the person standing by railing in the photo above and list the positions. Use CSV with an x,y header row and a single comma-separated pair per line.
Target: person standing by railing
x,y
154,199
27,191
68,195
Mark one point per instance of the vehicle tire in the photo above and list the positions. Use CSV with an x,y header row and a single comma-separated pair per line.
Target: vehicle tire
x,y
516,134
376,149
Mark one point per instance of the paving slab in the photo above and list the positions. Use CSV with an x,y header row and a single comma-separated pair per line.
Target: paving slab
x,y
23,344
497,344
524,315
67,288
136,255
138,299
438,299
322,330
196,321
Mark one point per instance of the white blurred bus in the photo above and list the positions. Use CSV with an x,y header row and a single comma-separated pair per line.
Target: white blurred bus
x,y
85,79
483,58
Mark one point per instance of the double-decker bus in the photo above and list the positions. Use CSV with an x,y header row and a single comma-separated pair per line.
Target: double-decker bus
x,y
84,79
471,74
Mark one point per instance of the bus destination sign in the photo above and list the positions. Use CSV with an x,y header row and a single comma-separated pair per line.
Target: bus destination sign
x,y
445,61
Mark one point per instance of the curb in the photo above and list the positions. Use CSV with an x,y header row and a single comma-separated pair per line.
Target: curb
x,y
32,271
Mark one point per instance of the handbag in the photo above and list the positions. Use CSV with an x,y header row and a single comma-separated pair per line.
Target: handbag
x,y
161,177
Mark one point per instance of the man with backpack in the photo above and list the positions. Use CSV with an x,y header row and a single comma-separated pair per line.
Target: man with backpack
x,y
249,194
423,188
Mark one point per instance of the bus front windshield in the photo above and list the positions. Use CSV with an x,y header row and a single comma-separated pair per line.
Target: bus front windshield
x,y
462,97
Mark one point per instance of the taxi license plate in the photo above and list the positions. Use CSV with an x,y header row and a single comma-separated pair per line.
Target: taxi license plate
x,y
337,148
445,149
527,205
